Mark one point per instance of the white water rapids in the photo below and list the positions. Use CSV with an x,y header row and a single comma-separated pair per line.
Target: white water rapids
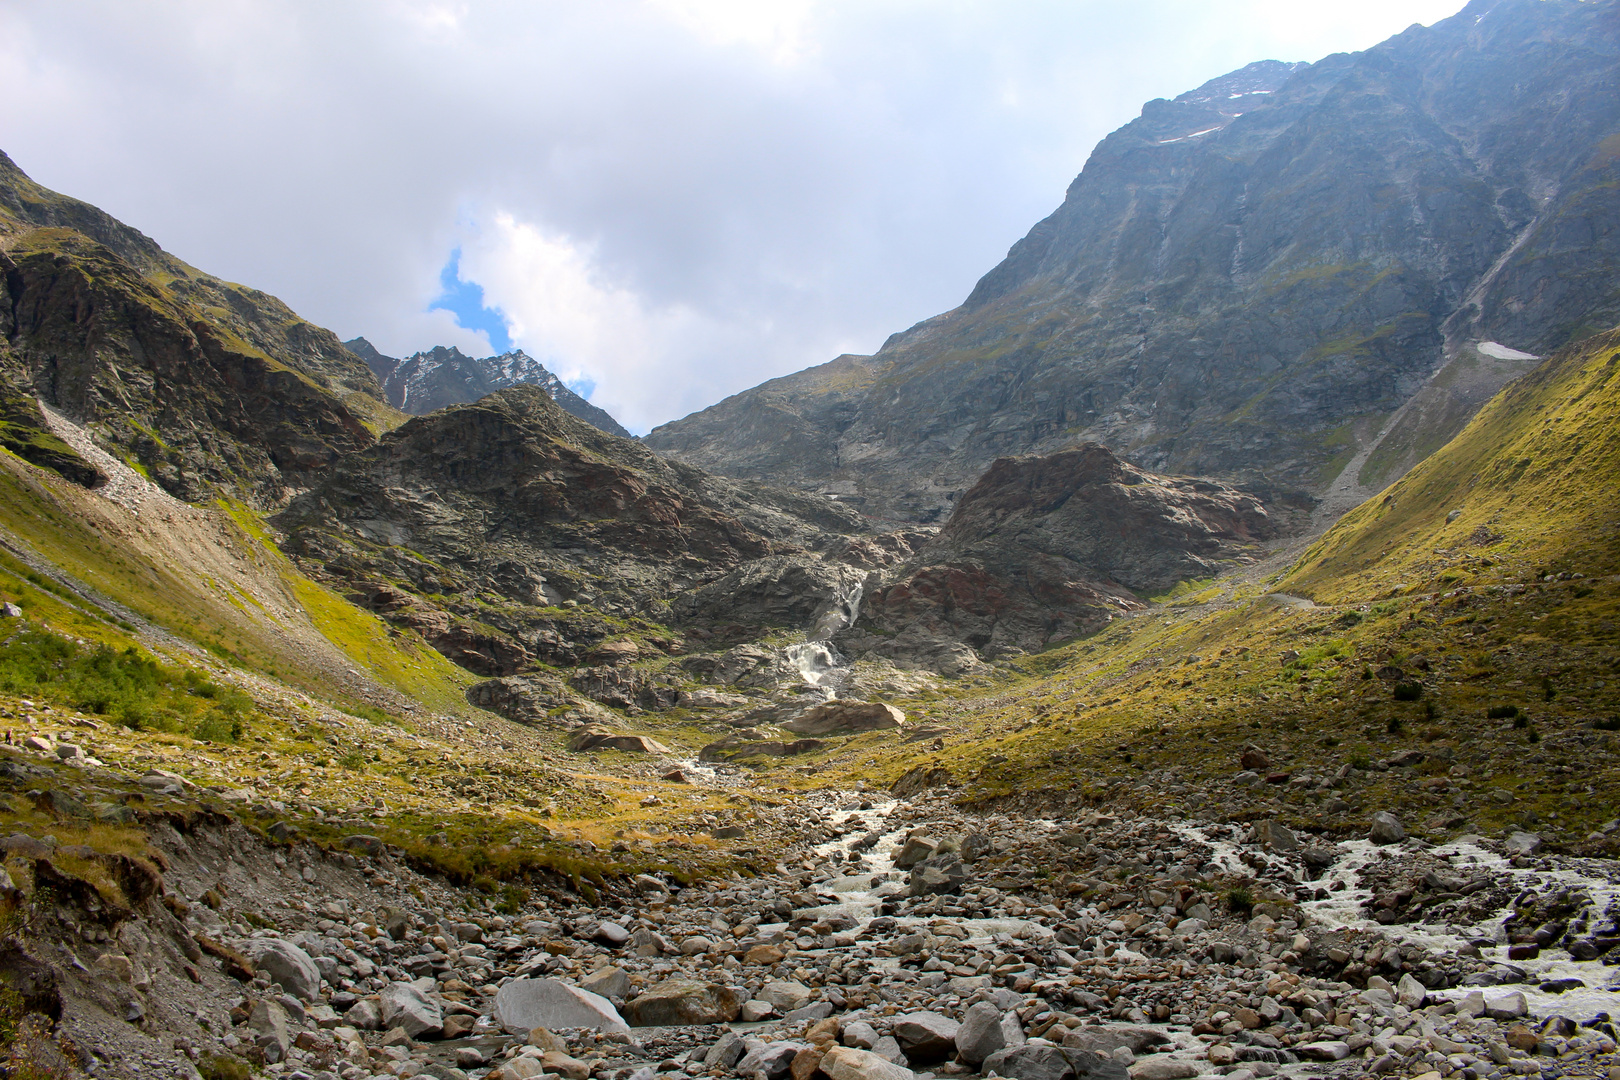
x,y
823,667
1597,878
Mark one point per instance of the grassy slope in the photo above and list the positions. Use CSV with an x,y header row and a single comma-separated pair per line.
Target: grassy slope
x,y
1155,710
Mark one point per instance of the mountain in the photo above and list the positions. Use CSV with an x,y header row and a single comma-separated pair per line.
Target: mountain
x,y
425,381
1446,651
207,387
475,524
1047,548
1249,281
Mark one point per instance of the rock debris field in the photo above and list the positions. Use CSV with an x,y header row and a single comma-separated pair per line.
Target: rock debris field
x,y
894,939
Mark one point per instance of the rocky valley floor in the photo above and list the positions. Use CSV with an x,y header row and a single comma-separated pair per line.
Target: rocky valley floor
x,y
850,934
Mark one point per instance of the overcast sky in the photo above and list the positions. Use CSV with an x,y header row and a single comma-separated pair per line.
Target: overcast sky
x,y
672,200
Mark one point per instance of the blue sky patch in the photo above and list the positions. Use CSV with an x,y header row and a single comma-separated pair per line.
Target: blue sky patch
x,y
465,300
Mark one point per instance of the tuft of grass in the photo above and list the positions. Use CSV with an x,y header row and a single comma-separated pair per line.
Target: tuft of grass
x,y
1408,691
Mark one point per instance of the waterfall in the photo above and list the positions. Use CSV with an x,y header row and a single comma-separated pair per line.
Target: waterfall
x,y
842,611
820,665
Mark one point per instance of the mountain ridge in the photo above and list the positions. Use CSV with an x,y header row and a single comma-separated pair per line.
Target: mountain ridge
x,y
1249,288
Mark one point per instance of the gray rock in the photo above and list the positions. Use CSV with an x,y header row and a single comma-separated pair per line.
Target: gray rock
x,y
1012,1031
609,982
1053,1063
1410,992
888,1049
1277,836
851,1063
365,1016
975,846
837,717
683,1001
1386,829
816,1010
981,1034
942,873
1326,1050
287,965
785,994
524,1004
755,1010
860,1034
1523,843
1508,1007
611,934
404,1006
913,851
268,1022
726,1052
1162,1068
774,1059
926,1036
1104,1039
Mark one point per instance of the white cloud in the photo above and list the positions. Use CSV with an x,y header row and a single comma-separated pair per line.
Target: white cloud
x,y
698,194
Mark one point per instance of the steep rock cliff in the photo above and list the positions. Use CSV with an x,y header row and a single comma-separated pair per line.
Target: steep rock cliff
x,y
1247,281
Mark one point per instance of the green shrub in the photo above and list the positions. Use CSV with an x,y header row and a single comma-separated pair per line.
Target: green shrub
x,y
224,1067
1611,724
1408,691
1501,712
1238,899
1394,725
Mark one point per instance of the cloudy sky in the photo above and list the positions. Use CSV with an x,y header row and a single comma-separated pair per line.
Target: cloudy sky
x,y
668,200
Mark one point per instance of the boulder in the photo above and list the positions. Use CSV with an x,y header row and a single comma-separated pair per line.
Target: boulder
x,y
1386,829
920,778
937,874
841,717
1523,843
1277,836
913,851
404,1006
774,1059
288,966
1104,1039
1325,1050
1163,1068
785,995
926,1036
676,1002
1053,1063
1254,759
524,1004
596,738
268,1022
980,1034
725,1053
609,982
850,1063
1508,1007
1410,992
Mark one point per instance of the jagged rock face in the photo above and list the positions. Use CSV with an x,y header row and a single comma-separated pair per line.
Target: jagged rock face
x,y
214,389
1045,548
782,591
1241,275
440,377
515,506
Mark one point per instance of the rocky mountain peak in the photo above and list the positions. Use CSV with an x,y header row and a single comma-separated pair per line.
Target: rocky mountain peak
x,y
444,376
